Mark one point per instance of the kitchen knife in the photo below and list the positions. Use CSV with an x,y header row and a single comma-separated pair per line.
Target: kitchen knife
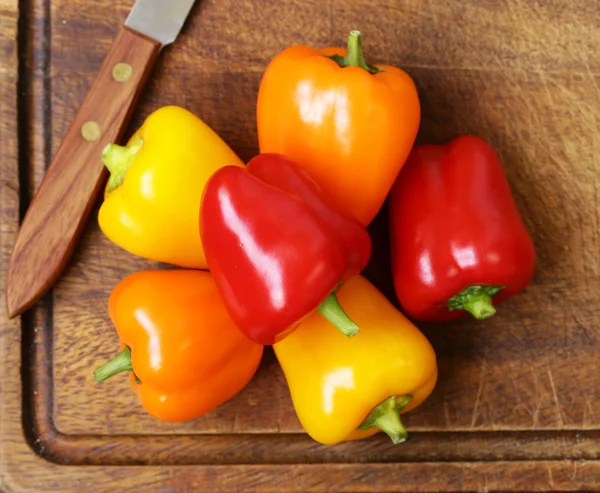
x,y
55,219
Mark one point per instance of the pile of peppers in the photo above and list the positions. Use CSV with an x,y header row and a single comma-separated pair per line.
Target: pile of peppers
x,y
271,252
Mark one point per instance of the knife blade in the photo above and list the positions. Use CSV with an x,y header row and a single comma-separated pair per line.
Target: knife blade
x,y
55,219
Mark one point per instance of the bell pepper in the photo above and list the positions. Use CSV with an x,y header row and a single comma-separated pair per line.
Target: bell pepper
x,y
184,353
278,247
350,124
153,195
458,243
348,389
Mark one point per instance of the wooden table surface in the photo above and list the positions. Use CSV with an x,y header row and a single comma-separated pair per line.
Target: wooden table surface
x,y
517,407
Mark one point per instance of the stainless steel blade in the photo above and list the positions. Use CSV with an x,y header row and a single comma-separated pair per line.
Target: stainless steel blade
x,y
160,20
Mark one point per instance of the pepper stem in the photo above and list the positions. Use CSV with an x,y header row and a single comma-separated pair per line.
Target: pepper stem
x,y
386,417
118,159
120,363
477,300
335,314
354,55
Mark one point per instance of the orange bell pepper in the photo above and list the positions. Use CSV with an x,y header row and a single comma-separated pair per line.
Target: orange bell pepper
x,y
186,355
349,124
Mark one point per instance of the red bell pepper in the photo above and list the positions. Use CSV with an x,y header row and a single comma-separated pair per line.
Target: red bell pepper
x,y
458,242
278,247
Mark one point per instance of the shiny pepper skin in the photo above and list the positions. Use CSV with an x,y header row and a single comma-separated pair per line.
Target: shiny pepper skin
x,y
458,242
153,196
337,384
179,343
351,125
278,247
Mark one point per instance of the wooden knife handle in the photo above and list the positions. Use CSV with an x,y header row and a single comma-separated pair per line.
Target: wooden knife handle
x,y
56,217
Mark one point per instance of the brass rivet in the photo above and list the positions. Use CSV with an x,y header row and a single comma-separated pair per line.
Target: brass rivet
x,y
122,72
91,131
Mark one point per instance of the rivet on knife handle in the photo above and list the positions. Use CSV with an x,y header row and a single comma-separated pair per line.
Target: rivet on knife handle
x,y
56,217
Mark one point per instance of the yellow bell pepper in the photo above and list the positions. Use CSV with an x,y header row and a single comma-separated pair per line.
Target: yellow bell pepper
x,y
347,389
152,199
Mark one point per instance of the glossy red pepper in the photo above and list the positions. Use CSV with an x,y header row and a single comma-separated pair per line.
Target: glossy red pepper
x,y
458,242
278,247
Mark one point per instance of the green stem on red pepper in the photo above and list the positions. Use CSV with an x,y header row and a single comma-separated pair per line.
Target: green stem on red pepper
x,y
477,300
386,417
120,363
354,55
118,159
335,314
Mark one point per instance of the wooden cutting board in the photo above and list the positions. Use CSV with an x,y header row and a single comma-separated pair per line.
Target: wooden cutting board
x,y
517,407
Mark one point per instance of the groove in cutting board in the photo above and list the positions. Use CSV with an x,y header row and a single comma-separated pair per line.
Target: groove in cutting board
x,y
263,448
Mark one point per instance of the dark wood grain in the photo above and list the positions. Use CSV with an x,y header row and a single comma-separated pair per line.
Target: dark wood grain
x,y
60,207
517,407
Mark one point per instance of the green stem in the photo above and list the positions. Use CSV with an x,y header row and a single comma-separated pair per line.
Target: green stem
x,y
354,55
335,314
477,300
386,417
120,363
118,159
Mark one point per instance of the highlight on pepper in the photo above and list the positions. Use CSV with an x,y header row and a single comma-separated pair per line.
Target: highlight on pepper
x,y
348,122
463,251
344,389
153,194
183,352
278,247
